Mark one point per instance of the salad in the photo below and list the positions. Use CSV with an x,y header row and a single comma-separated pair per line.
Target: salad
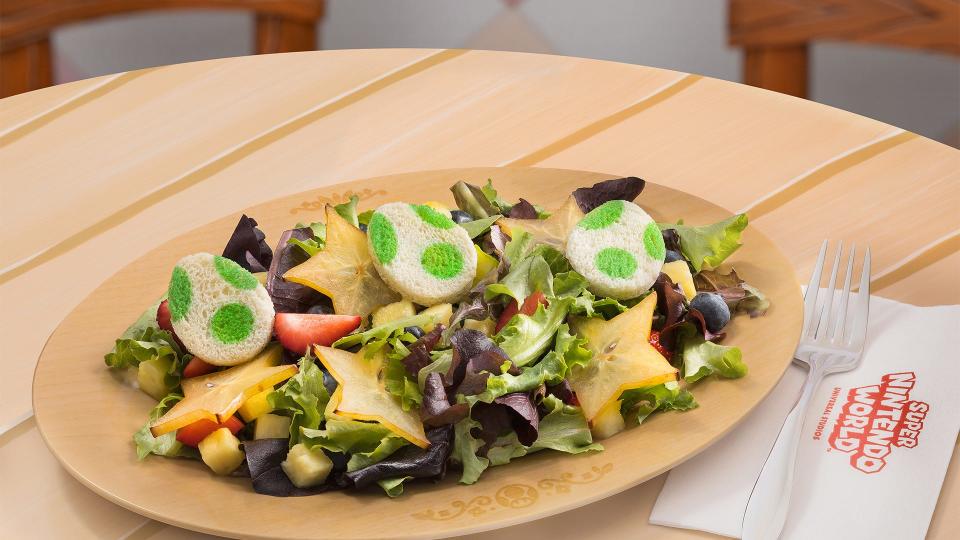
x,y
383,346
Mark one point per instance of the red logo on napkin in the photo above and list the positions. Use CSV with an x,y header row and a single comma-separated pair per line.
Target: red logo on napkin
x,y
876,418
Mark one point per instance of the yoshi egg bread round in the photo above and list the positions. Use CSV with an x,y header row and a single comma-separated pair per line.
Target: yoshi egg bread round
x,y
618,248
421,253
219,310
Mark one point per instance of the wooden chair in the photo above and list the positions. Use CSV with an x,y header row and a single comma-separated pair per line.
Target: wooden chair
x,y
776,34
25,27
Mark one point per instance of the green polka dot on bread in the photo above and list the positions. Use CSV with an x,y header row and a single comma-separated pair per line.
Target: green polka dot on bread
x,y
421,253
219,310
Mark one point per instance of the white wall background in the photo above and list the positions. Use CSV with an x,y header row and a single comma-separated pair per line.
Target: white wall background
x,y
914,90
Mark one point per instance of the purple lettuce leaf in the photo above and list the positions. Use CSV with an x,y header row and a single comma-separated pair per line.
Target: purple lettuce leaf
x,y
420,349
625,189
263,458
436,409
248,247
290,297
409,461
511,412
670,300
523,210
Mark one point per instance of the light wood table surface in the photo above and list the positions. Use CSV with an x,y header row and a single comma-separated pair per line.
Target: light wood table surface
x,y
94,173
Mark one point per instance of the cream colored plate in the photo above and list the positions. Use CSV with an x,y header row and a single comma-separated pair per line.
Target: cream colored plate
x,y
87,416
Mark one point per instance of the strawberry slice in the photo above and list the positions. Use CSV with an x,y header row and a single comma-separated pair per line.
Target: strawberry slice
x,y
196,367
192,434
529,307
163,316
298,331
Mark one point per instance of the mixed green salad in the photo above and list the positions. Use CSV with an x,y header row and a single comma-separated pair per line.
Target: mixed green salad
x,y
387,345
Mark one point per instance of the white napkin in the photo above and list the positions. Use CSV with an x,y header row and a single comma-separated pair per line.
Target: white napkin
x,y
832,498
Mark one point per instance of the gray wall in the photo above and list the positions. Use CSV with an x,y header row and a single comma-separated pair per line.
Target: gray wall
x,y
914,90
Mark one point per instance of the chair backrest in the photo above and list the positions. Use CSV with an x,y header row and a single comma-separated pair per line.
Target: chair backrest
x,y
775,33
25,27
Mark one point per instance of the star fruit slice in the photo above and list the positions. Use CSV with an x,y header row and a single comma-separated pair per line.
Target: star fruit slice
x,y
217,396
344,270
552,231
623,358
362,396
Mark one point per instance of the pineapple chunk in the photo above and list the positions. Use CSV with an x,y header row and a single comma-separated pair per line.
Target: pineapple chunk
x,y
679,273
221,452
272,426
393,312
256,406
261,277
441,315
151,376
305,467
608,421
485,263
487,326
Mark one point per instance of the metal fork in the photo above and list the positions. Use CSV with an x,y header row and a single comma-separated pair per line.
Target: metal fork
x,y
831,342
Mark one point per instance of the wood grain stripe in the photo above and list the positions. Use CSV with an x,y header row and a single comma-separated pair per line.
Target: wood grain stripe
x,y
821,173
657,96
925,256
35,122
225,159
148,529
16,428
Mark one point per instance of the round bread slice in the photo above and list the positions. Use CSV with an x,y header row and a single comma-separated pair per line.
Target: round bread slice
x,y
618,248
219,310
421,253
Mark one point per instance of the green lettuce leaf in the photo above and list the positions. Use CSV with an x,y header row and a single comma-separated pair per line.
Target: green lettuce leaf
x,y
571,284
366,442
441,364
303,397
375,338
465,448
398,382
494,198
479,226
165,445
707,246
311,246
364,217
703,358
642,402
319,229
564,429
150,343
568,350
348,210
532,268
393,487
587,305
526,337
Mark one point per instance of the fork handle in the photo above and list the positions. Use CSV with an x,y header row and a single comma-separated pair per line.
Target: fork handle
x,y
766,510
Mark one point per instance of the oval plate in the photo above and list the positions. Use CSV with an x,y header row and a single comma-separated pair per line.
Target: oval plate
x,y
87,415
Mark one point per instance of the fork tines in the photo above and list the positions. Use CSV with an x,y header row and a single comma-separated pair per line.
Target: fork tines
x,y
826,321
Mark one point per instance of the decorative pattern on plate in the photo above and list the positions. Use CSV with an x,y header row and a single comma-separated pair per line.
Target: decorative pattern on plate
x,y
318,202
515,495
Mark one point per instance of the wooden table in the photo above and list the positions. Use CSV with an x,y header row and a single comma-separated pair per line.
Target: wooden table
x,y
96,172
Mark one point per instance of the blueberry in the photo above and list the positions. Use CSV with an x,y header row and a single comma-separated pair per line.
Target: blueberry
x,y
459,216
416,331
320,309
715,312
673,256
363,227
